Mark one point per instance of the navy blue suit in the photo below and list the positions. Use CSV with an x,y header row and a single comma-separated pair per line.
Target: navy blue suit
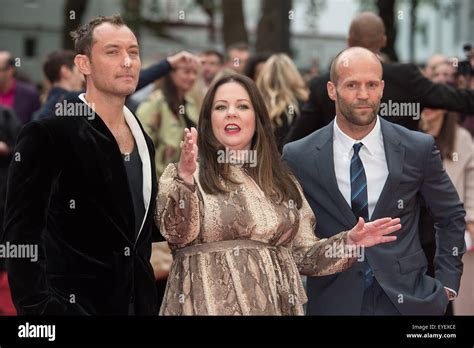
x,y
415,171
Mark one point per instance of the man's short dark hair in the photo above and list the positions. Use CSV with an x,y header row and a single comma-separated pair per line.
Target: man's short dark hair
x,y
83,36
54,62
213,53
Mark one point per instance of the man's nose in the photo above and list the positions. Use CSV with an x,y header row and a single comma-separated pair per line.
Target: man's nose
x,y
362,93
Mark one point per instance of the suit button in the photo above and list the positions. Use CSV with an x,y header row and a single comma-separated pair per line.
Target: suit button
x,y
360,273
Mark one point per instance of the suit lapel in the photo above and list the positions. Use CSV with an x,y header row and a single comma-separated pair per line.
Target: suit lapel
x,y
395,155
324,162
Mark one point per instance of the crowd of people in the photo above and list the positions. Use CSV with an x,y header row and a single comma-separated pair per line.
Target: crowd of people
x,y
234,236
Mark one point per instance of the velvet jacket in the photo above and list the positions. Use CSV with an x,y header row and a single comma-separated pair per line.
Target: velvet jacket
x,y
68,193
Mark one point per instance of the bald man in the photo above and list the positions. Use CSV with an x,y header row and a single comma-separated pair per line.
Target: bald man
x,y
406,91
361,165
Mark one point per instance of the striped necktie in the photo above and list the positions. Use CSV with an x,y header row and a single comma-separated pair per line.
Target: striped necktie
x,y
359,201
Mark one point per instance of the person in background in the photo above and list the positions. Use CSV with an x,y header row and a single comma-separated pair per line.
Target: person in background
x,y
465,80
156,71
167,112
237,55
212,62
9,128
183,61
15,94
404,83
283,91
254,65
164,115
444,72
64,76
457,151
312,71
432,62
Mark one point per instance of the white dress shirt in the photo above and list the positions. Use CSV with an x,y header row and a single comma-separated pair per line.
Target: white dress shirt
x,y
372,155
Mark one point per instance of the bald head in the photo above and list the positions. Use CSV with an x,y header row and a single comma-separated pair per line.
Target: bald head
x,y
351,56
356,86
367,30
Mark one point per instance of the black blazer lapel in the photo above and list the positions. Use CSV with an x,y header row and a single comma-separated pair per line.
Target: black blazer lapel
x,y
324,163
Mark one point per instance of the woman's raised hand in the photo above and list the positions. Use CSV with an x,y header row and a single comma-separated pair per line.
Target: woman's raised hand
x,y
187,162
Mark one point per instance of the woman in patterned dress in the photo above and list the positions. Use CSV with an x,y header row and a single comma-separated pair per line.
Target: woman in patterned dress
x,y
236,220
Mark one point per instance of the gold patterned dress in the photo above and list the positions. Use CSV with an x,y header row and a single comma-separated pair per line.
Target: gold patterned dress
x,y
239,253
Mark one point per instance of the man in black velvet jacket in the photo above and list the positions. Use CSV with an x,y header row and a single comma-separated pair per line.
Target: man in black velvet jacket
x,y
82,187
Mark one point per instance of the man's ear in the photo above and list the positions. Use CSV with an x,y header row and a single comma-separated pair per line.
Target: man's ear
x,y
382,83
331,90
83,64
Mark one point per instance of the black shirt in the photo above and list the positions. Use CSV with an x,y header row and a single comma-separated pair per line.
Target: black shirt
x,y
133,167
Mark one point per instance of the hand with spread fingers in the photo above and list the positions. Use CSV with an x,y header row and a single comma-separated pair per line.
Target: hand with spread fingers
x,y
189,151
184,58
368,234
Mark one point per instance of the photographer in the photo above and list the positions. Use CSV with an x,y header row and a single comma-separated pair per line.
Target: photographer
x,y
464,80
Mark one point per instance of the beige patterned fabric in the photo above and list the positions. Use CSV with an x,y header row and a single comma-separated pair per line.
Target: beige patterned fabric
x,y
239,253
